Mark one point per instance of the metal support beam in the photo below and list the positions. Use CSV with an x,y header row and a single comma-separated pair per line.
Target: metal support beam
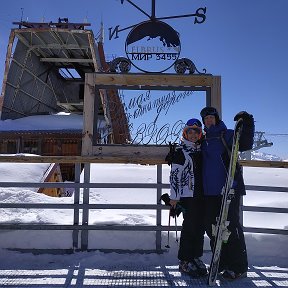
x,y
85,213
75,234
158,211
59,46
66,60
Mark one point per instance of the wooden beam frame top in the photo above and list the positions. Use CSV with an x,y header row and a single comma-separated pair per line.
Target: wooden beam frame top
x,y
154,79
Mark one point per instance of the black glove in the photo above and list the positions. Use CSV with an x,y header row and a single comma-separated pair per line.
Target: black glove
x,y
173,211
248,119
166,199
169,157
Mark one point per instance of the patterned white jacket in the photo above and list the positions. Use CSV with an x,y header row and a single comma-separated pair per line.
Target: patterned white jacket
x,y
186,170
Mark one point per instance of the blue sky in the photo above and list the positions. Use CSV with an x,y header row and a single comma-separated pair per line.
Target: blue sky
x,y
245,42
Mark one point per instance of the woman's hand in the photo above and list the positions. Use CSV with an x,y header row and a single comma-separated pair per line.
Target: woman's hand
x,y
173,203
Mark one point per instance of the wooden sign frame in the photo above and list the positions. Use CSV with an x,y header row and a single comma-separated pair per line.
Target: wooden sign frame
x,y
142,154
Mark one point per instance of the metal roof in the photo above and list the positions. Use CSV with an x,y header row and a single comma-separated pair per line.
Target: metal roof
x,y
61,44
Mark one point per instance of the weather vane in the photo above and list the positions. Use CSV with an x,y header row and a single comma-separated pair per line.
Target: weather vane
x,y
199,15
154,41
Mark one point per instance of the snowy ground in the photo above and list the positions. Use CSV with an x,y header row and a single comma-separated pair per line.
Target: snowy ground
x,y
268,254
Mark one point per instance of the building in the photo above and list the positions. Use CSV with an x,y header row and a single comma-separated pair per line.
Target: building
x,y
44,74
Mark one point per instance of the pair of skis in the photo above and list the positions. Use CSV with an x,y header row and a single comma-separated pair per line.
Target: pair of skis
x,y
220,230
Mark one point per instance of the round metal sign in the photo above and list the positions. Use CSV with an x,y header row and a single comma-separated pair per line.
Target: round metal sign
x,y
153,46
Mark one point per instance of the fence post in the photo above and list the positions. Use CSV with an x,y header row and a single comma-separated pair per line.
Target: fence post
x,y
85,214
76,207
158,210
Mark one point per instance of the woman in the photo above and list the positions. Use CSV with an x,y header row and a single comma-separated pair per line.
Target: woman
x,y
186,188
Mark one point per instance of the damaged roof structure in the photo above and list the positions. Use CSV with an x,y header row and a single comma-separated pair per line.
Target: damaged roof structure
x,y
45,71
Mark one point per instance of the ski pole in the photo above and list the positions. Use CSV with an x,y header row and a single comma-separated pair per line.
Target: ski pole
x,y
176,229
168,237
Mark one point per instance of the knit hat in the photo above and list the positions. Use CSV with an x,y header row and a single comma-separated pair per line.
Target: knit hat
x,y
210,111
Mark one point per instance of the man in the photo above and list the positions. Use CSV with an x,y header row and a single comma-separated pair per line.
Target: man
x,y
218,140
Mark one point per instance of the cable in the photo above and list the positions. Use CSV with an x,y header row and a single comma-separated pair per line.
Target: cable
x,y
277,134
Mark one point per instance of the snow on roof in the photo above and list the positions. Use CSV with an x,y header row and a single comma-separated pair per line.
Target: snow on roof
x,y
60,121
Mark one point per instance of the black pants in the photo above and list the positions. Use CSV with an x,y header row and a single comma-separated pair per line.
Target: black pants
x,y
233,254
193,229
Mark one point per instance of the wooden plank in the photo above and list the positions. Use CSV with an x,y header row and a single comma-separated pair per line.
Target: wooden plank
x,y
153,79
147,154
271,164
92,47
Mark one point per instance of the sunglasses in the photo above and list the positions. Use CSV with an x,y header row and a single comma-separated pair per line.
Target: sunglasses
x,y
194,122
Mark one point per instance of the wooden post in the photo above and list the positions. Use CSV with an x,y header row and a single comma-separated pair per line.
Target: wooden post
x,y
216,94
88,114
